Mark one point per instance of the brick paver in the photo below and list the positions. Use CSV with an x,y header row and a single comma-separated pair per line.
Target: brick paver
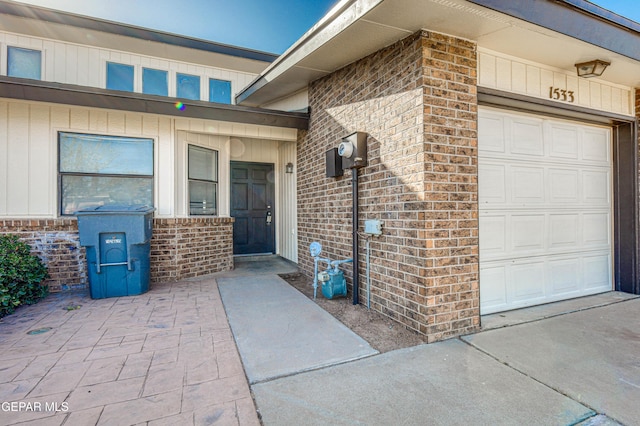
x,y
164,357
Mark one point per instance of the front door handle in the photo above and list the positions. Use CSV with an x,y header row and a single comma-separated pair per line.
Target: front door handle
x,y
269,217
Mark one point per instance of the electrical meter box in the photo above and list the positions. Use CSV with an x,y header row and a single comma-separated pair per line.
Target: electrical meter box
x,y
353,150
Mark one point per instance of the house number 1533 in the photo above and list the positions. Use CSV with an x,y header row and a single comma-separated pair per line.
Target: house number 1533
x,y
561,94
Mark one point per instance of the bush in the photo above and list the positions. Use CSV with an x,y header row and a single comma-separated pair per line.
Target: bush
x,y
20,275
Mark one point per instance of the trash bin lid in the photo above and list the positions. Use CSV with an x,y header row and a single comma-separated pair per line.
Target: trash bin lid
x,y
116,208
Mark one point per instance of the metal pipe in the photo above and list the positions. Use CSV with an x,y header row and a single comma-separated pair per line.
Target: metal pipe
x,y
368,275
354,184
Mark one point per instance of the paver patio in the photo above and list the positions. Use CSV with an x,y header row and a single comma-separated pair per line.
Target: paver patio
x,y
164,357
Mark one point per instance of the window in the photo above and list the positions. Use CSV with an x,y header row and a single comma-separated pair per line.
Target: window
x,y
188,86
203,181
119,77
219,91
25,63
100,170
154,82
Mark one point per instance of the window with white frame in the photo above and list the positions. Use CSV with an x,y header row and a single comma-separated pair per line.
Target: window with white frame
x,y
155,82
24,63
219,91
120,77
203,180
96,170
188,86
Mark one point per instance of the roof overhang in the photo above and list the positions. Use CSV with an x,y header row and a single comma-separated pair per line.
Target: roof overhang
x,y
557,33
67,94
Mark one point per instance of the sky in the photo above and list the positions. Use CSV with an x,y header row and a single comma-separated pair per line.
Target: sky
x,y
266,25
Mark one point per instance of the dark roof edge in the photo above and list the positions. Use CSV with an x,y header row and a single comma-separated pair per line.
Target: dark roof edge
x,y
578,19
68,94
80,21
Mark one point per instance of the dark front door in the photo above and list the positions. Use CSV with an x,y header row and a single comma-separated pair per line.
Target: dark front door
x,y
252,202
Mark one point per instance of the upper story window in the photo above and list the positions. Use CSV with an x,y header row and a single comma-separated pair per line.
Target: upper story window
x,y
119,77
203,181
98,170
25,63
188,86
219,91
154,82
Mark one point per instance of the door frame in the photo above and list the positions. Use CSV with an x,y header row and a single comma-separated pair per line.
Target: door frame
x,y
274,210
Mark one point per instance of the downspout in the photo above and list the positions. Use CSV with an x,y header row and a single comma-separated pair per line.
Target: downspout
x,y
354,185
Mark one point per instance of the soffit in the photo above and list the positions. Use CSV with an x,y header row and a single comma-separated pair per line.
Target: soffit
x,y
372,25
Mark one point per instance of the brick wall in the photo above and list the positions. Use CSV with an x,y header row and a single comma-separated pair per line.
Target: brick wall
x,y
56,242
180,248
417,101
186,248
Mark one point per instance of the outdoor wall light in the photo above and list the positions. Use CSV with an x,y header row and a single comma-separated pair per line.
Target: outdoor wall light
x,y
593,68
289,168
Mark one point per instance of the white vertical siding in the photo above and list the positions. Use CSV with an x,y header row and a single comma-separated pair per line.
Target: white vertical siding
x,y
85,65
28,152
498,71
41,159
18,157
4,157
288,223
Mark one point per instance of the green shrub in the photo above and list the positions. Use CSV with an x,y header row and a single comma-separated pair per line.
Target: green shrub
x,y
20,275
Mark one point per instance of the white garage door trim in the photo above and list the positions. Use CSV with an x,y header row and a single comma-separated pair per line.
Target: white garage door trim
x,y
545,209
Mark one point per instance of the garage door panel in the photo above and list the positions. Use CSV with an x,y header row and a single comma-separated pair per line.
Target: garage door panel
x,y
597,272
596,188
564,231
492,126
564,142
596,146
525,281
596,229
493,280
563,186
526,137
527,234
493,184
545,218
528,184
564,276
494,232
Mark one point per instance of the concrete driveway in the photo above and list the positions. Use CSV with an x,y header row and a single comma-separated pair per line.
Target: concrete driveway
x,y
169,357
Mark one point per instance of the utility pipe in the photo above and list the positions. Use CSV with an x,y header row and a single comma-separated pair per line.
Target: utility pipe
x,y
354,184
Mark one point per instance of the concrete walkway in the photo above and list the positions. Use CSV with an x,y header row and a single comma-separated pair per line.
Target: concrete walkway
x,y
163,358
168,357
279,331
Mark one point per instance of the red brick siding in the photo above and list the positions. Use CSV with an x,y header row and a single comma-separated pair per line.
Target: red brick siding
x,y
186,248
417,101
180,248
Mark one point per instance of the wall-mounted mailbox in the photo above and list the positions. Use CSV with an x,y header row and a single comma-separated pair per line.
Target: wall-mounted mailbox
x,y
353,150
333,163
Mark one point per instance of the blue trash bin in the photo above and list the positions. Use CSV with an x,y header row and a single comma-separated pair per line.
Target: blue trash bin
x,y
117,241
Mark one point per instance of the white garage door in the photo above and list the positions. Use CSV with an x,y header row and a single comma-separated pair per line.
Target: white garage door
x,y
545,210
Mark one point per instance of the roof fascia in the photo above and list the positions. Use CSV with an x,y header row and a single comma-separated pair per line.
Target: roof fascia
x,y
575,18
67,94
